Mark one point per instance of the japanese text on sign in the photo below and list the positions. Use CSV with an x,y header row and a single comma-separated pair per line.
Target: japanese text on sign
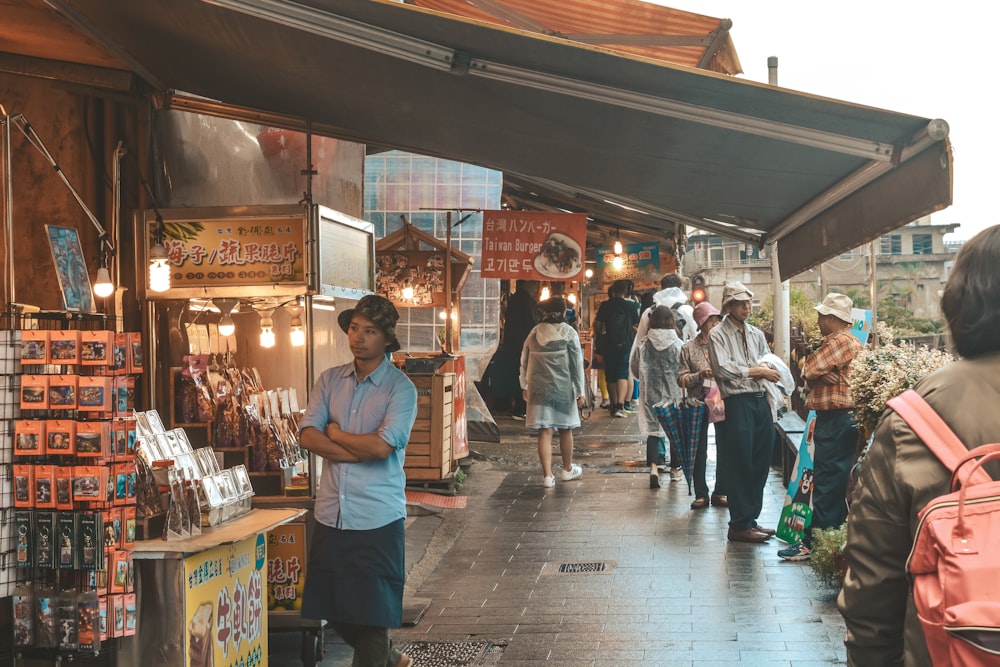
x,y
533,245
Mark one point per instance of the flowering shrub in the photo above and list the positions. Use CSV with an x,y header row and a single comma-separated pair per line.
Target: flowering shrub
x,y
887,371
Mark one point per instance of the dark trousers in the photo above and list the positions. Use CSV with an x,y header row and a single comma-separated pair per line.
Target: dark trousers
x,y
835,438
372,646
656,450
748,443
701,462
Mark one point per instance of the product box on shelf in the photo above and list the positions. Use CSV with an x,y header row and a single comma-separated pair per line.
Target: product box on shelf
x,y
93,439
62,392
45,539
95,347
61,436
24,485
29,437
34,392
64,347
94,393
34,347
45,486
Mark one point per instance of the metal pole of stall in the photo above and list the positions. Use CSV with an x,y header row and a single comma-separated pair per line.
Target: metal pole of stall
x,y
780,289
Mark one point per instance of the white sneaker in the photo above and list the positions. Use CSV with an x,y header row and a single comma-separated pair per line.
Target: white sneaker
x,y
549,482
676,474
574,472
620,414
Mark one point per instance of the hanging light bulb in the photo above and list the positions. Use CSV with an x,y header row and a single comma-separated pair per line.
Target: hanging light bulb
x,y
618,243
618,262
226,325
266,329
159,269
298,333
588,274
103,287
408,293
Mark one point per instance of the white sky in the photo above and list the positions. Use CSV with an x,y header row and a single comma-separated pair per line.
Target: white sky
x,y
930,59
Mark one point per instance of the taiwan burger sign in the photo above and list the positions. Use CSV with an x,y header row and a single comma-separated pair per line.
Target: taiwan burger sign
x,y
534,245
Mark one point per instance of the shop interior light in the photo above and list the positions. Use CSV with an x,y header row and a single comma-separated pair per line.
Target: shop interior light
x,y
571,298
407,293
588,274
443,314
545,294
159,265
266,329
298,333
226,325
103,287
618,262
618,243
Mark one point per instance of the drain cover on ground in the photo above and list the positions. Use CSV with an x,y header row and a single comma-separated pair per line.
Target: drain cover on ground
x,y
452,654
592,567
576,568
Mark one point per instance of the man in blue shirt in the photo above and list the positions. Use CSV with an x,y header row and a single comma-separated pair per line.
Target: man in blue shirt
x,y
359,420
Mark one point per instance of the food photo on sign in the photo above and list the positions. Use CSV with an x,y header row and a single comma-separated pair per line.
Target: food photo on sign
x,y
638,262
533,245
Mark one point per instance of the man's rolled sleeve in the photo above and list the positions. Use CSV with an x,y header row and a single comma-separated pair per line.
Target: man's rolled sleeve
x,y
399,418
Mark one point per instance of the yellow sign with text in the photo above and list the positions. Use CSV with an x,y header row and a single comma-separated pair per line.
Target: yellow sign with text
x,y
235,252
225,619
286,557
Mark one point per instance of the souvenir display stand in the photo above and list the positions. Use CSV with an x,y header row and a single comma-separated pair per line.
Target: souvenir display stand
x,y
413,269
68,433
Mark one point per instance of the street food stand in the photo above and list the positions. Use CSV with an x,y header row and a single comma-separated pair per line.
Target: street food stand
x,y
413,268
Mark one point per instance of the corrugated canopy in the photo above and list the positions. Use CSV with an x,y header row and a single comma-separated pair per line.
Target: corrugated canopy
x,y
630,26
581,125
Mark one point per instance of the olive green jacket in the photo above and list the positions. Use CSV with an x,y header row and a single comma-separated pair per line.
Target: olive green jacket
x,y
898,478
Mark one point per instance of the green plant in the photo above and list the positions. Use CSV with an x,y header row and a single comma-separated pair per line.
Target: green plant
x,y
826,556
801,312
885,372
459,480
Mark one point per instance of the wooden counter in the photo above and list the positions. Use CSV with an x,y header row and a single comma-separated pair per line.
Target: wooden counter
x,y
255,521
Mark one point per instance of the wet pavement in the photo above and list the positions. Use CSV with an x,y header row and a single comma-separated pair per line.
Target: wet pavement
x,y
598,571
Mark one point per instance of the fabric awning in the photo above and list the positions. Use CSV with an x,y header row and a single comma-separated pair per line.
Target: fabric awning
x,y
675,145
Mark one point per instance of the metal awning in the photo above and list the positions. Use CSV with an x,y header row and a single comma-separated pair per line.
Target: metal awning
x,y
674,145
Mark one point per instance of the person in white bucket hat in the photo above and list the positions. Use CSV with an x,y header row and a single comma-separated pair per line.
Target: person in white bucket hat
x,y
836,435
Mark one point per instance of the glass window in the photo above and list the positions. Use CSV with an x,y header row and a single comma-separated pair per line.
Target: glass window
x,y
891,244
923,244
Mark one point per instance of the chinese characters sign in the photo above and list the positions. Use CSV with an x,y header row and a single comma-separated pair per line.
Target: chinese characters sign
x,y
225,618
534,245
640,263
235,252
286,552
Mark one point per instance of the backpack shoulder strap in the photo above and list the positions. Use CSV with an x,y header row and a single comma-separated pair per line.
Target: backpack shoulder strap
x,y
930,428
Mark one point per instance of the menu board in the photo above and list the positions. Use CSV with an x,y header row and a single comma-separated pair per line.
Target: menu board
x,y
534,245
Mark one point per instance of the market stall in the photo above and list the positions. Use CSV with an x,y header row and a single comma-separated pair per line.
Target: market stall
x,y
413,270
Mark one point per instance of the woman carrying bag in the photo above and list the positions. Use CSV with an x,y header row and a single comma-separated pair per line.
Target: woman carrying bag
x,y
695,376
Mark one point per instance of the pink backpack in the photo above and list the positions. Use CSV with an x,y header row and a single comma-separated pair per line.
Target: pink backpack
x,y
955,559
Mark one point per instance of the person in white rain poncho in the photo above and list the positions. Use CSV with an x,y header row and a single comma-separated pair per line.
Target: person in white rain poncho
x,y
655,360
554,386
